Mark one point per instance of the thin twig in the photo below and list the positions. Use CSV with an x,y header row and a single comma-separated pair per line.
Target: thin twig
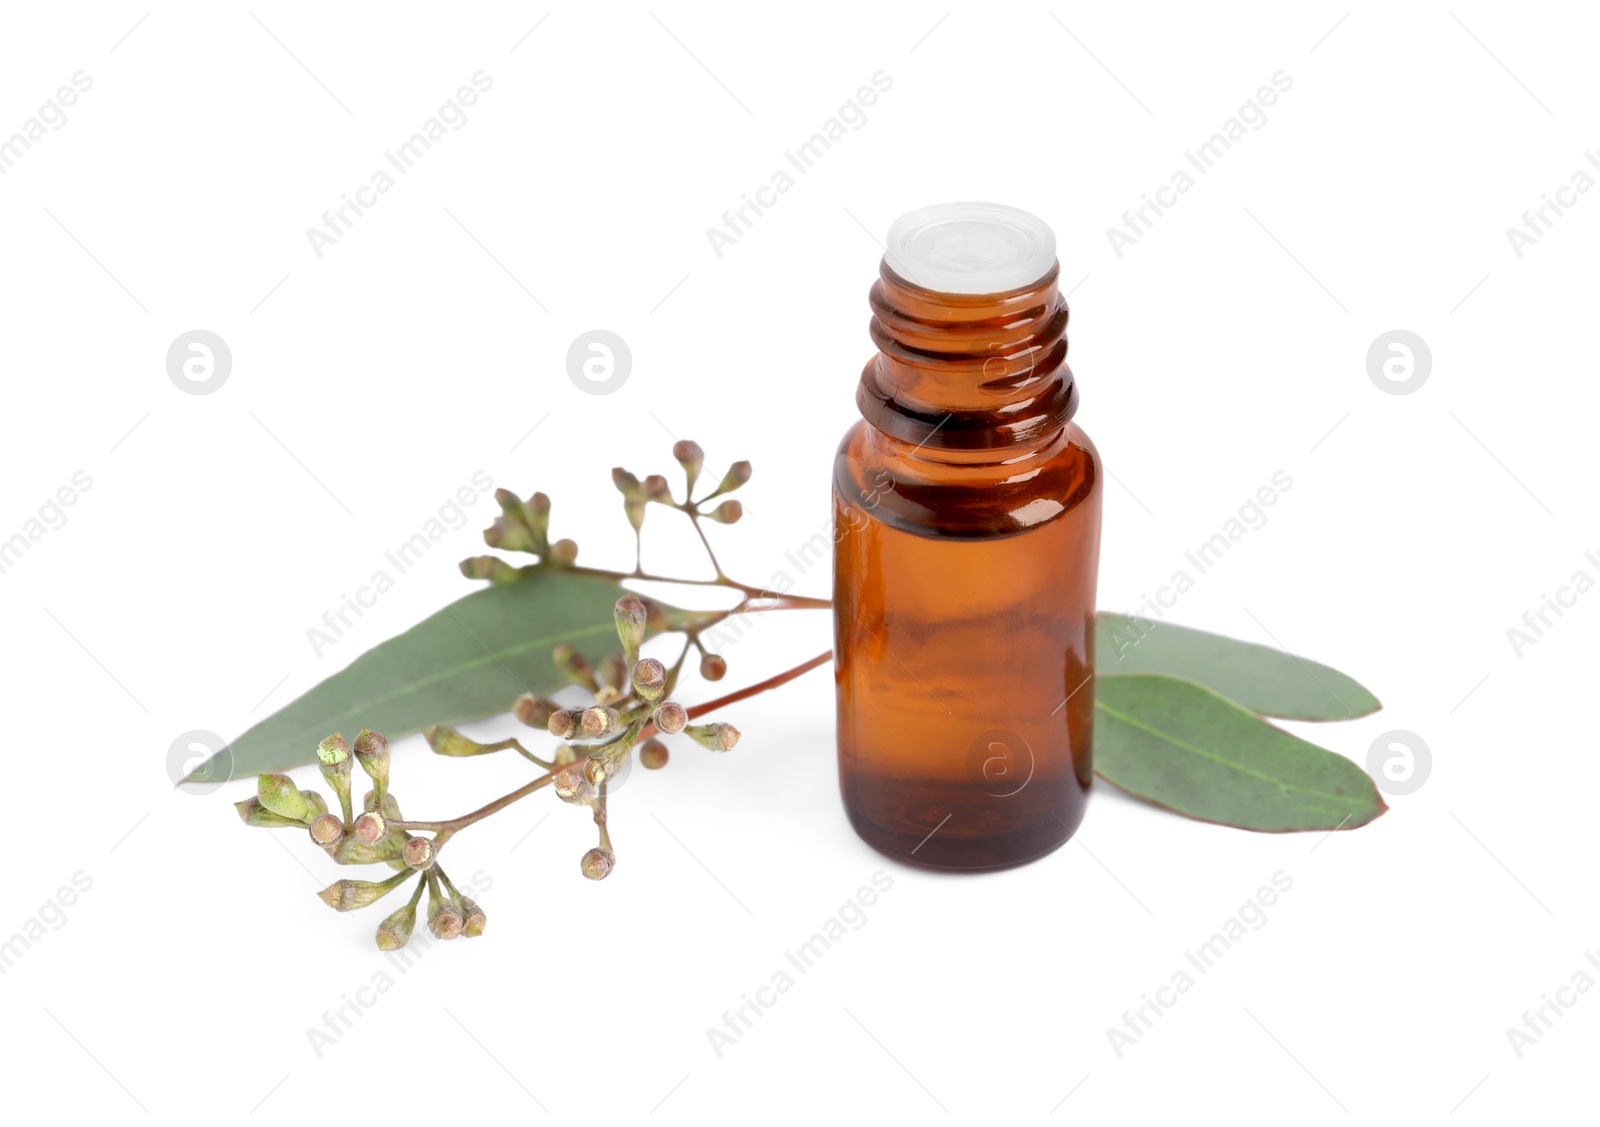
x,y
694,519
454,824
516,745
789,602
600,818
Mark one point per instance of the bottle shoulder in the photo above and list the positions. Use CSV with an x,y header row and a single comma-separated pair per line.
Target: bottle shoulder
x,y
997,493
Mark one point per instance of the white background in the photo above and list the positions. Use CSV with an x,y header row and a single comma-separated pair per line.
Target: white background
x,y
368,384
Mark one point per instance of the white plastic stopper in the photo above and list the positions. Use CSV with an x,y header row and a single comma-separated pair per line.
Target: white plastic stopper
x,y
970,248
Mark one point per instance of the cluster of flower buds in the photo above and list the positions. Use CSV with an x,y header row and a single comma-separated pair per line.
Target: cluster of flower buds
x,y
631,705
631,700
637,493
374,836
522,526
450,913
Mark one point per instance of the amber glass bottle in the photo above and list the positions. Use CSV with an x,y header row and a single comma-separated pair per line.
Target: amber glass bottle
x,y
967,537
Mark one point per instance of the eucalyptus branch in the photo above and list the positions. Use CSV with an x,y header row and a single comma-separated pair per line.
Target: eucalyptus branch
x,y
631,707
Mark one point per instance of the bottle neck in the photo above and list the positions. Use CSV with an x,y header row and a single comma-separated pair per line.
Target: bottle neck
x,y
968,373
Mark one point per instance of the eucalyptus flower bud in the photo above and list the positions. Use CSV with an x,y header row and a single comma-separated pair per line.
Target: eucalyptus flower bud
x,y
691,458
444,918
538,512
532,711
670,717
737,475
510,535
571,786
333,759
601,720
326,829
252,813
348,895
395,931
474,920
492,568
626,484
372,752
333,751
653,754
650,678
634,511
370,827
713,667
564,551
598,863
565,754
728,512
279,795
631,617
564,724
445,740
713,737
522,525
657,489
574,667
418,852
598,768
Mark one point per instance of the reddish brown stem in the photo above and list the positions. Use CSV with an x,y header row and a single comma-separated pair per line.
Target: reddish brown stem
x,y
770,683
748,691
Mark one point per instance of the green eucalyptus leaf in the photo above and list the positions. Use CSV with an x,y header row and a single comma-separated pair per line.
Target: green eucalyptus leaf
x,y
470,660
1265,680
1181,746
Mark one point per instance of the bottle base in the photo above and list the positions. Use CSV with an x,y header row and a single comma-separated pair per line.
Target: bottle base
x,y
967,854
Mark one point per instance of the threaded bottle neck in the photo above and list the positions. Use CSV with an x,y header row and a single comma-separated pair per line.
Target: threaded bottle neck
x,y
968,371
